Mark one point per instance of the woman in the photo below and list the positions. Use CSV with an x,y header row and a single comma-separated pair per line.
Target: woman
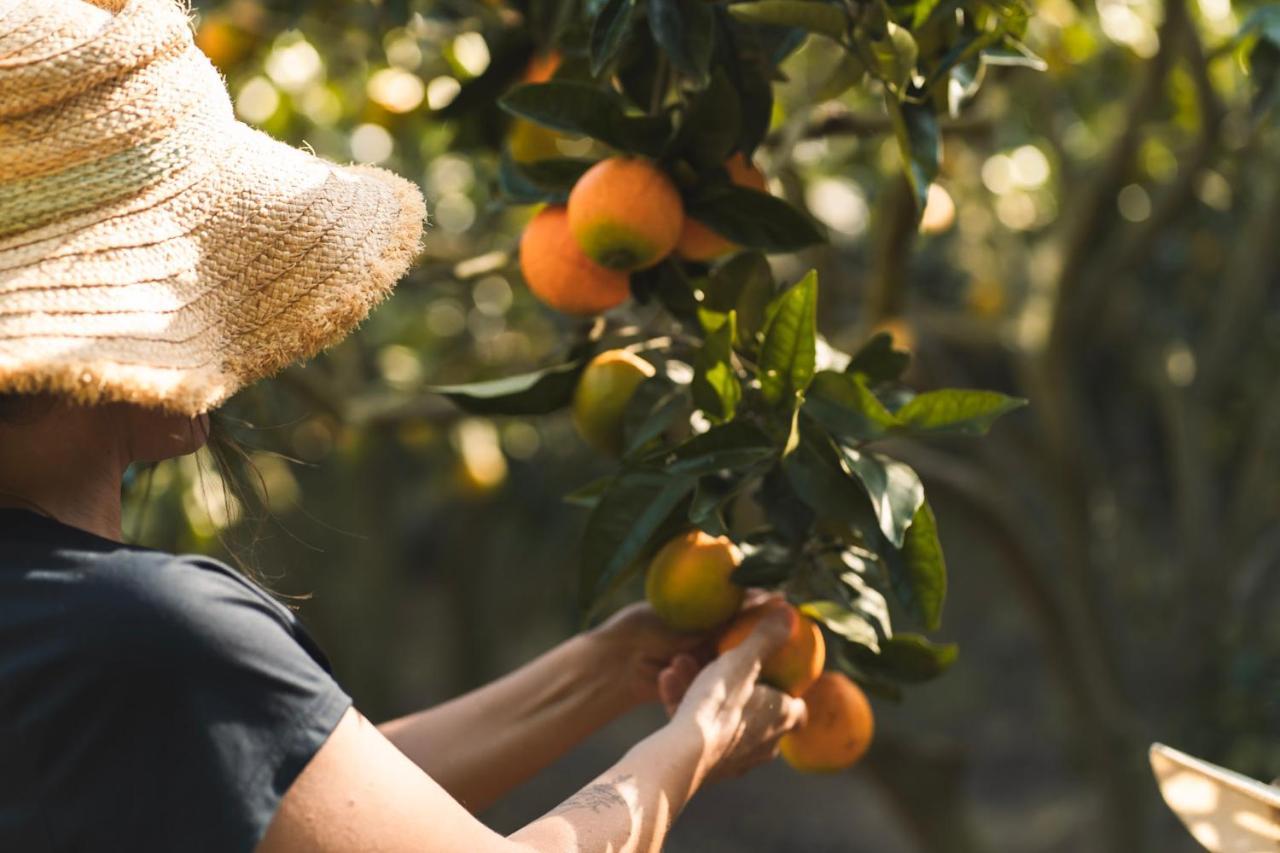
x,y
155,256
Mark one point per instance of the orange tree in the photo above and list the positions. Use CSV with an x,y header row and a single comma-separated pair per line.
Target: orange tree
x,y
752,425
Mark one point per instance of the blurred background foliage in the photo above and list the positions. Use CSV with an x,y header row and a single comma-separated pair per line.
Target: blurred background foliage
x,y
1102,239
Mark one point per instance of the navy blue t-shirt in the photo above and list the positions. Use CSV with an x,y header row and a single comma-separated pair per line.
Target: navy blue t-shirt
x,y
148,702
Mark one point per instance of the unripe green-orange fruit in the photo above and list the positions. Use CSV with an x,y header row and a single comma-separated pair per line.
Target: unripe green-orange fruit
x,y
625,213
797,663
838,729
600,400
560,275
688,582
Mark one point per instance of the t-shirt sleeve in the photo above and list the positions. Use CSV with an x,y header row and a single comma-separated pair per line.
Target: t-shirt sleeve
x,y
220,701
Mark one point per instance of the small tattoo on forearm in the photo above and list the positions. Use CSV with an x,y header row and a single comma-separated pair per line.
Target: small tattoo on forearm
x,y
597,797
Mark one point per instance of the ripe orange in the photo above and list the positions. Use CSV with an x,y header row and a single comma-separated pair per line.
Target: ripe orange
x,y
900,328
559,274
542,67
601,398
688,582
625,213
798,663
839,728
700,243
222,41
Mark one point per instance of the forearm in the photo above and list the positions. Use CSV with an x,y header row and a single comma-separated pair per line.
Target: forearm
x,y
486,742
629,807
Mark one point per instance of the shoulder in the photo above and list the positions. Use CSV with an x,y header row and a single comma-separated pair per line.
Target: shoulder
x,y
165,604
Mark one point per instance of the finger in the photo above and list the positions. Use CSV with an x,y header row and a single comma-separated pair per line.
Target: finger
x,y
674,681
795,713
755,596
670,689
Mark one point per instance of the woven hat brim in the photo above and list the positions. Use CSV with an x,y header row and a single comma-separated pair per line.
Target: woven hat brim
x,y
253,258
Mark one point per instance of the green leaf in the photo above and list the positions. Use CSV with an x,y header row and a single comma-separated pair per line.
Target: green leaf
x,y
753,219
844,404
920,142
895,56
509,53
637,70
872,682
789,351
767,565
820,480
918,572
536,393
709,499
814,16
609,31
716,389
1264,22
733,446
656,404
585,109
849,624
754,83
790,517
669,284
868,601
846,74
894,488
965,80
908,658
541,181
1264,71
713,124
744,285
685,30
547,19
628,514
1014,54
958,411
878,360
924,8
589,495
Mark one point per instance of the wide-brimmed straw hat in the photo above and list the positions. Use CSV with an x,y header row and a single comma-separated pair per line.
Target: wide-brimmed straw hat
x,y
153,249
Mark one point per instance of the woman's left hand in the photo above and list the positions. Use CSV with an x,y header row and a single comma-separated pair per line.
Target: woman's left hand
x,y
655,661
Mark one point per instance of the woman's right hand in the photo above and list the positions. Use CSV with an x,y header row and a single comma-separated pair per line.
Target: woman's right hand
x,y
738,720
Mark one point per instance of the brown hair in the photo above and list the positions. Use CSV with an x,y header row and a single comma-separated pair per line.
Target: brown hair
x,y
23,408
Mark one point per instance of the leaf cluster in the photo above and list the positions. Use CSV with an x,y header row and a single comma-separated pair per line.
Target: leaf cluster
x,y
755,428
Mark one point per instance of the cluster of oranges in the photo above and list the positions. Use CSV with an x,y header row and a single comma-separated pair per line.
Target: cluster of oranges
x,y
623,215
688,584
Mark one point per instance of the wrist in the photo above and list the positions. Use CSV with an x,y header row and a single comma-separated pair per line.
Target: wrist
x,y
683,745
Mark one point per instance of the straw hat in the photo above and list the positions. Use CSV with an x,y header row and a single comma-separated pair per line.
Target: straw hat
x,y
153,249
1223,810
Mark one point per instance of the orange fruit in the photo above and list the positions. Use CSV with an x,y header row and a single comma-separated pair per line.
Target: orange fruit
x,y
798,663
838,730
601,398
542,67
222,41
697,241
625,213
559,273
688,582
900,329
